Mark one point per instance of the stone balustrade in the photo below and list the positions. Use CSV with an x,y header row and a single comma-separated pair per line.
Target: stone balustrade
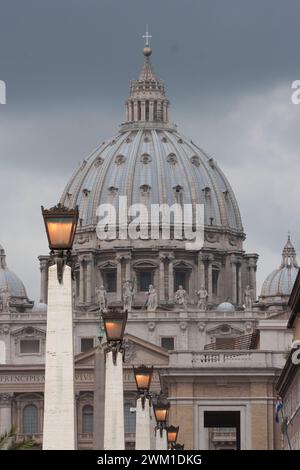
x,y
226,358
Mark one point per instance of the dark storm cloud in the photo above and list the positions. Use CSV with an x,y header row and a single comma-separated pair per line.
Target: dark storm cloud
x,y
228,67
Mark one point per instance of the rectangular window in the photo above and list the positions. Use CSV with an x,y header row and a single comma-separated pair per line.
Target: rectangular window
x,y
145,279
86,344
168,343
129,418
180,279
215,278
110,280
29,346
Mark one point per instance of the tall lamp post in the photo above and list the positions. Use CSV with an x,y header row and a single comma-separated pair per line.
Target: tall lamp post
x,y
114,322
59,399
161,410
143,376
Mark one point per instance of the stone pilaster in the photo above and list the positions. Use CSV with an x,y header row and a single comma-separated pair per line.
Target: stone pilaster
x,y
142,440
171,276
5,412
127,258
89,279
114,408
240,289
233,279
59,406
252,275
162,277
119,277
209,278
81,279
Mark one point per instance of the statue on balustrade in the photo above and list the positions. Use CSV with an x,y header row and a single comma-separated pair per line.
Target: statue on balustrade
x,y
202,298
102,298
181,297
248,298
151,301
128,294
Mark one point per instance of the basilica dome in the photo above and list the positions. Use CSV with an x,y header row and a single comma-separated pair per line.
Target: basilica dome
x,y
226,307
280,282
150,162
9,281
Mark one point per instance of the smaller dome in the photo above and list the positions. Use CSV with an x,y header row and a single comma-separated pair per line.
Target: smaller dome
x,y
225,307
279,283
39,307
9,281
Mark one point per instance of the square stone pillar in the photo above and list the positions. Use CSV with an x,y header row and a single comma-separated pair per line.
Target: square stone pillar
x,y
143,438
59,402
114,437
161,442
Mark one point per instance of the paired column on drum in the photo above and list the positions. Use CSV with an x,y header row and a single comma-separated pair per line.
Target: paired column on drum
x,y
44,279
123,261
166,276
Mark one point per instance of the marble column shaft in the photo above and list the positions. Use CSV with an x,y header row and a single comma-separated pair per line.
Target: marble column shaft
x,y
114,438
143,438
59,401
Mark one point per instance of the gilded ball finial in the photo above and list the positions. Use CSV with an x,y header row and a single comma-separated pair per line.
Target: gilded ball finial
x,y
147,51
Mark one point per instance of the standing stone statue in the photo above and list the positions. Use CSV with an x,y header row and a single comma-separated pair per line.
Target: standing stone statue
x,y
102,298
181,297
152,299
248,298
127,295
202,298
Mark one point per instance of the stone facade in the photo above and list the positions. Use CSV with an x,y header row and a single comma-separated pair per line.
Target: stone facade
x,y
218,363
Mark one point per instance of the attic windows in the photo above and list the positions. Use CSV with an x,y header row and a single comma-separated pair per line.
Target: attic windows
x,y
113,190
195,160
207,191
120,159
172,159
145,189
145,158
98,161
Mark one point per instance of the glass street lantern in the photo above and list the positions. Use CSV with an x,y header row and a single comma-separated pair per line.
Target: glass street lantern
x,y
172,433
143,376
60,223
161,410
114,322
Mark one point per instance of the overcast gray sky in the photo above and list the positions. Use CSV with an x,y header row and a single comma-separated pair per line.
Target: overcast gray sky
x,y
228,66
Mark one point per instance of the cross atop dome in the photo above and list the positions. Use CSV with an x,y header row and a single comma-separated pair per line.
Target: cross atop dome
x,y
147,36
